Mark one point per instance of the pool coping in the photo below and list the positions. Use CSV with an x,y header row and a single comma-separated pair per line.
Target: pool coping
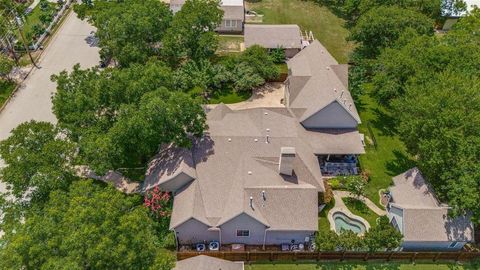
x,y
341,207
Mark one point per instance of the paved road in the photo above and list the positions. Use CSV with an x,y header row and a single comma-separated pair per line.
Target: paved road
x,y
71,44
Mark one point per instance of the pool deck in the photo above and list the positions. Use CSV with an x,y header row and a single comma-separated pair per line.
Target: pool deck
x,y
341,207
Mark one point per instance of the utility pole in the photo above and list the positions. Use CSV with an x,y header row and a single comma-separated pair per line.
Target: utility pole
x,y
19,28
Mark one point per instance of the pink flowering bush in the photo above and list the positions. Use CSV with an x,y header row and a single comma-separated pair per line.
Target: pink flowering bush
x,y
158,202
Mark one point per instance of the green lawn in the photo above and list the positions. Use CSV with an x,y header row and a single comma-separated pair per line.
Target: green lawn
x,y
33,19
229,96
361,209
326,27
6,88
229,43
389,158
358,266
323,224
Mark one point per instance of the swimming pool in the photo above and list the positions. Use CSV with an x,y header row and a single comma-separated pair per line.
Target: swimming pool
x,y
343,222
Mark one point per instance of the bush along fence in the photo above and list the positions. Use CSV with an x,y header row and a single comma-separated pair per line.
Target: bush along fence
x,y
253,256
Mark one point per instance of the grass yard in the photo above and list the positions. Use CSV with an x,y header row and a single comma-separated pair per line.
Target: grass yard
x,y
229,43
359,266
33,18
323,224
389,158
361,209
326,27
6,88
228,96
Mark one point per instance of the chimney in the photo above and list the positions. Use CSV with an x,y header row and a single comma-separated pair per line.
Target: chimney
x,y
287,155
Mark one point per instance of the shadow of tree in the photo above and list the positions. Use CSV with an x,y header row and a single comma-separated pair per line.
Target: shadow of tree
x,y
399,164
384,122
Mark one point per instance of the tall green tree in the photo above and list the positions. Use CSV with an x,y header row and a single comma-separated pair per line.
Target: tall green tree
x,y
86,227
381,27
191,35
129,31
383,236
39,159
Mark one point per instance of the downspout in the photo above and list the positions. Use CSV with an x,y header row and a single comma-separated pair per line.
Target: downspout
x,y
177,243
264,238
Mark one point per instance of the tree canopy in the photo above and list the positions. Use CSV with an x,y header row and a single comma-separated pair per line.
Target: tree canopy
x,y
191,35
86,227
120,117
380,27
39,159
129,31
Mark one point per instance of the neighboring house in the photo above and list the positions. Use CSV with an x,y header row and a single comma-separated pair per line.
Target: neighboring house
x,y
285,36
254,177
233,17
423,221
203,262
452,18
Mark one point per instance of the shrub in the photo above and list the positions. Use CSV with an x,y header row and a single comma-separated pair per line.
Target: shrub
x,y
326,240
278,55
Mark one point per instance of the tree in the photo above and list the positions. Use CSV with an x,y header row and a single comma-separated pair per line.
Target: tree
x,y
129,31
326,240
356,186
439,123
191,35
86,227
6,65
383,236
349,241
39,160
262,63
380,27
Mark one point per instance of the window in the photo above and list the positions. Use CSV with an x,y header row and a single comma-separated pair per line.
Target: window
x,y
452,245
243,233
395,224
230,23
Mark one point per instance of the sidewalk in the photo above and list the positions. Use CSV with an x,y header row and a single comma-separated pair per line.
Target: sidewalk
x,y
367,201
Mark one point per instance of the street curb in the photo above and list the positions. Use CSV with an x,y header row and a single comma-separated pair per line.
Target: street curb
x,y
59,25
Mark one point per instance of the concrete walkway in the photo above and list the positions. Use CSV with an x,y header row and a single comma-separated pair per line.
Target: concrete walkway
x,y
343,194
268,96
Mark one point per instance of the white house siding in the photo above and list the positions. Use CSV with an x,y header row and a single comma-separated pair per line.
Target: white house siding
x,y
282,237
230,26
176,183
193,231
243,222
431,246
333,115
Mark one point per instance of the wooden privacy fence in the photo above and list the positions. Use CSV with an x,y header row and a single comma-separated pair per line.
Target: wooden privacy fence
x,y
252,256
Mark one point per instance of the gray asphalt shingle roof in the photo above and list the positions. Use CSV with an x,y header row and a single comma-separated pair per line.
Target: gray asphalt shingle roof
x,y
285,36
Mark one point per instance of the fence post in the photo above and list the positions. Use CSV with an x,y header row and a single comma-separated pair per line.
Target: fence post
x,y
271,256
295,257
458,256
248,256
343,256
318,256
414,256
436,256
390,256
365,258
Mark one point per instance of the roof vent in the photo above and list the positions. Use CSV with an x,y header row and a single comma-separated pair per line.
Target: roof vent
x,y
255,140
264,197
251,202
335,89
266,113
268,130
328,68
350,106
267,139
341,94
287,156
249,172
229,139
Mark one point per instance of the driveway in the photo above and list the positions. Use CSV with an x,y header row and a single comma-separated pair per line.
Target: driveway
x,y
73,43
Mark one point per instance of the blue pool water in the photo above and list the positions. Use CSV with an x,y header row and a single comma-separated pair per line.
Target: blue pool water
x,y
343,222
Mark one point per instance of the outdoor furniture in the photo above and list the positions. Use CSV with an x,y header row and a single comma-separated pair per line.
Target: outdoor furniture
x,y
285,247
214,246
201,247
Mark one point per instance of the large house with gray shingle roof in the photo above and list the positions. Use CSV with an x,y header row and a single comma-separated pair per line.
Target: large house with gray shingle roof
x,y
255,177
423,221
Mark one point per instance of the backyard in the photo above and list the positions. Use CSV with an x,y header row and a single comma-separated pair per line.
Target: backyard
x,y
326,27
359,208
359,266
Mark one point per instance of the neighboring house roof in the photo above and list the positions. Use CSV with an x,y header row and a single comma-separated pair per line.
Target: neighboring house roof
x,y
233,9
273,36
410,189
203,262
233,162
232,3
323,81
420,215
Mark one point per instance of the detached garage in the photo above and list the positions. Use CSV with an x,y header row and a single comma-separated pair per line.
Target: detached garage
x,y
286,36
